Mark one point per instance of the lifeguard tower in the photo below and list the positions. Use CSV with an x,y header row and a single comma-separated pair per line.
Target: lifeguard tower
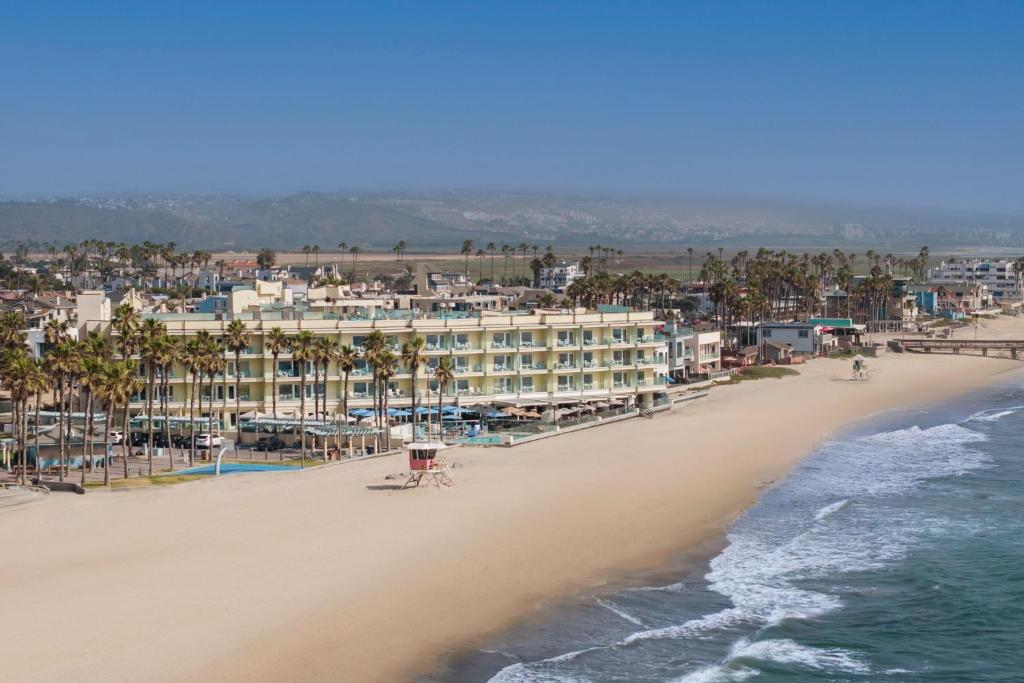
x,y
425,461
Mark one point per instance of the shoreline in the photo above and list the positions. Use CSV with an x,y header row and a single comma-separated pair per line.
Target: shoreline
x,y
688,563
333,576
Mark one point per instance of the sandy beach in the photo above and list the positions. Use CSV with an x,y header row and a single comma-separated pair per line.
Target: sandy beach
x,y
331,574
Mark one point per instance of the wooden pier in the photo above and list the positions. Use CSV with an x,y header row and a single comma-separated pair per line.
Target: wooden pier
x,y
1015,347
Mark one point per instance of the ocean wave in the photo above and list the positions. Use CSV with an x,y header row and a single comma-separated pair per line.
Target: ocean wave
x,y
830,509
615,609
741,662
992,414
671,588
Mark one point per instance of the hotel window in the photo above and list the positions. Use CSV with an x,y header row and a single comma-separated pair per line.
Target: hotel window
x,y
588,337
588,359
526,384
503,385
319,390
460,341
566,338
288,392
502,363
358,342
618,335
526,339
566,382
435,342
462,386
501,340
588,381
526,361
567,360
461,364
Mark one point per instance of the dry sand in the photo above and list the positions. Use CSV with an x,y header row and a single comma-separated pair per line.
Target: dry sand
x,y
328,574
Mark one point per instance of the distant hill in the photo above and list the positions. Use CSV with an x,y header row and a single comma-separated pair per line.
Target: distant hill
x,y
443,220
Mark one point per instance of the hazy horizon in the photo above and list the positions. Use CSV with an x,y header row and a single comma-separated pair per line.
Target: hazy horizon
x,y
877,104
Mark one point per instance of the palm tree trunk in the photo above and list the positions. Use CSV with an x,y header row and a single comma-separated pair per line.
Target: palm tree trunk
x,y
86,432
108,409
35,435
60,418
125,440
150,380
165,404
302,418
192,423
238,401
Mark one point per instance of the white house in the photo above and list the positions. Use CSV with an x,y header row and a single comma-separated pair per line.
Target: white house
x,y
808,338
560,276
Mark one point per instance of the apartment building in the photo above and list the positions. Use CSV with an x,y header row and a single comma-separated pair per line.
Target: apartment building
x,y
999,275
512,358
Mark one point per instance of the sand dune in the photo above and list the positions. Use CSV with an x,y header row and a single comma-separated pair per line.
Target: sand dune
x,y
330,575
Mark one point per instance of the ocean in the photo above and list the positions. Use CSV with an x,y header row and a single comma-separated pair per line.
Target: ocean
x,y
895,552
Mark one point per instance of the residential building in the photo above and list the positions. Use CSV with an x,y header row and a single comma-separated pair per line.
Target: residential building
x,y
999,275
810,338
559,276
705,353
678,352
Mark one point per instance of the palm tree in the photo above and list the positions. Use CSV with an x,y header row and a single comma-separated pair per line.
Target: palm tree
x,y
17,374
480,254
63,363
491,247
236,339
467,249
117,384
305,250
387,363
193,359
276,342
153,333
214,364
302,351
374,345
443,374
93,368
170,353
412,356
39,382
126,323
355,255
324,351
346,357
316,255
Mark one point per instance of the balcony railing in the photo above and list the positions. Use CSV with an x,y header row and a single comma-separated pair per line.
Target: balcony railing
x,y
589,341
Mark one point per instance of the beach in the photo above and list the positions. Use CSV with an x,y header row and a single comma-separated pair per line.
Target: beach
x,y
332,574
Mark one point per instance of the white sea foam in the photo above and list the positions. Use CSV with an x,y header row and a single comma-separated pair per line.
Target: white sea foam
x,y
615,609
829,509
671,588
794,534
992,414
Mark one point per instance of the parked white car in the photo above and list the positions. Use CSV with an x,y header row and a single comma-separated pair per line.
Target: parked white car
x,y
208,440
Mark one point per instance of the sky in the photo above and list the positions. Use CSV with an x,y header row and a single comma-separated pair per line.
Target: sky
x,y
907,103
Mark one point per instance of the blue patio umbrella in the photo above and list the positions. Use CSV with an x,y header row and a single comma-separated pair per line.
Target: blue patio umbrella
x,y
361,412
398,412
421,410
454,410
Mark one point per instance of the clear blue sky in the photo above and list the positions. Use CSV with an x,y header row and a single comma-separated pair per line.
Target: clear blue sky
x,y
896,102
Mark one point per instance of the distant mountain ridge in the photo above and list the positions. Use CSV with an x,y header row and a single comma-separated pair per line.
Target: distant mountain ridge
x,y
441,220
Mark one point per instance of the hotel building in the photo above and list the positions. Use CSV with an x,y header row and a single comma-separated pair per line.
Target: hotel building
x,y
511,358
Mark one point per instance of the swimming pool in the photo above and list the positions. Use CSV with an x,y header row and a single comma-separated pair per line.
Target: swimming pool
x,y
228,467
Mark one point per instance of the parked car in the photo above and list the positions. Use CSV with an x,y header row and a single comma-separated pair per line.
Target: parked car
x,y
207,440
140,439
116,438
269,443
179,440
